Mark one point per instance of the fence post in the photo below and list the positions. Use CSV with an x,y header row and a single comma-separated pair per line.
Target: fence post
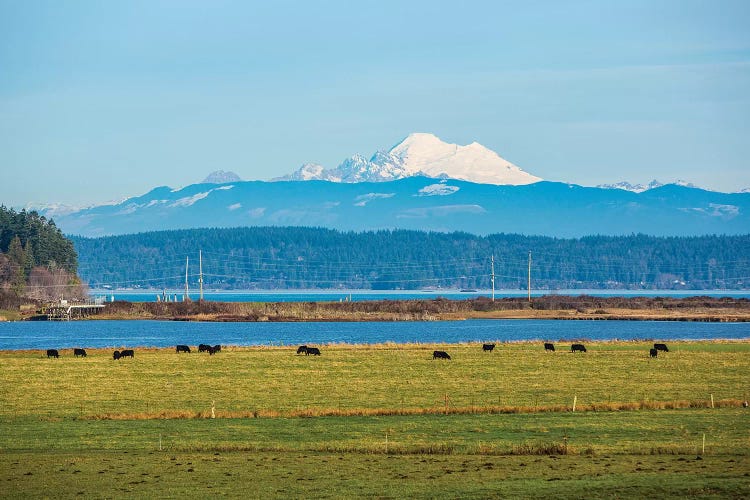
x,y
575,398
712,400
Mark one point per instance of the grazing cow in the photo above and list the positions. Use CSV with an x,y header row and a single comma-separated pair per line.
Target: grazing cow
x,y
79,352
661,347
183,348
653,352
549,346
203,348
217,348
488,347
213,350
312,350
302,349
577,348
116,355
52,353
440,355
127,353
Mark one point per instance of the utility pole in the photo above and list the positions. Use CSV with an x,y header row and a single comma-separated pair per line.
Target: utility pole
x,y
529,285
187,262
493,278
200,270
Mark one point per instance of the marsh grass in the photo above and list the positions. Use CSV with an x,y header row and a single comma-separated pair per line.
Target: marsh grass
x,y
700,308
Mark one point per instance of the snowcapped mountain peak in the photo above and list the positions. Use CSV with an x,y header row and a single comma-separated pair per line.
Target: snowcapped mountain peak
x,y
473,162
639,188
423,154
307,172
221,177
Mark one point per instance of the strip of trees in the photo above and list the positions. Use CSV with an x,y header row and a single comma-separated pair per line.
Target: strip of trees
x,y
36,260
316,258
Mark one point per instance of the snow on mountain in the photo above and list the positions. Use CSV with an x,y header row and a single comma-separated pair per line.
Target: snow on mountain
x,y
307,172
52,209
474,163
639,188
441,189
634,188
221,177
421,154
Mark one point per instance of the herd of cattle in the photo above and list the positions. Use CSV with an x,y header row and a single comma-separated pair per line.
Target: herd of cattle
x,y
201,348
314,351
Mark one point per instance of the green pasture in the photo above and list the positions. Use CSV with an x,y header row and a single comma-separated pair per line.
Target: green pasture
x,y
376,377
54,441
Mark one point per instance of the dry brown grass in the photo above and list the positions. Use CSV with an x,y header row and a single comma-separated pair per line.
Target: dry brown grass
x,y
449,410
546,307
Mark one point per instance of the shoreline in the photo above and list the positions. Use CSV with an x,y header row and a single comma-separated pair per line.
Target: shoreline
x,y
563,345
740,317
552,307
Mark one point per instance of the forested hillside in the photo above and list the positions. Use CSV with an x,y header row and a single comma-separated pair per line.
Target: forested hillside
x,y
36,259
294,257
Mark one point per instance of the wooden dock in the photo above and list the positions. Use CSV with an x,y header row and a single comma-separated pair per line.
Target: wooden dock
x,y
67,312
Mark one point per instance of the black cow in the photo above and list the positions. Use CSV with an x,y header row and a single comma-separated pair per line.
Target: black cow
x,y
661,347
653,352
302,349
183,348
116,355
312,351
549,346
577,348
440,355
217,348
79,352
52,353
127,353
488,347
204,348
213,350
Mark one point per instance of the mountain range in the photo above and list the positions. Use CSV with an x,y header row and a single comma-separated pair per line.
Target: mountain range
x,y
542,208
421,183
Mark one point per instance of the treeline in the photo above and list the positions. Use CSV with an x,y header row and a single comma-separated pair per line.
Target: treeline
x,y
316,258
36,260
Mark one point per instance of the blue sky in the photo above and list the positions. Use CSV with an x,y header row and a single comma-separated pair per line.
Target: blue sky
x,y
101,100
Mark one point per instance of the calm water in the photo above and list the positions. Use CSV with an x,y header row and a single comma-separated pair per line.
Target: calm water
x,y
54,334
358,295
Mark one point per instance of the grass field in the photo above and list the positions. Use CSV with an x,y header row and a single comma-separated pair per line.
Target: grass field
x,y
382,421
